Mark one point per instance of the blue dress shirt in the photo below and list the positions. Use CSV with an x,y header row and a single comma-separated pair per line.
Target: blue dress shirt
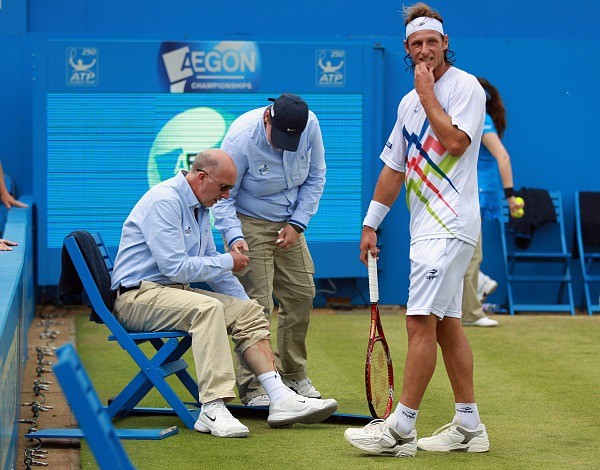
x,y
162,241
272,184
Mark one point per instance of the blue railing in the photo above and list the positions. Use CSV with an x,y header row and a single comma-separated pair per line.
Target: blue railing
x,y
17,309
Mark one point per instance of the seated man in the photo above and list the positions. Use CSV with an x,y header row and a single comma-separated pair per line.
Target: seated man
x,y
166,244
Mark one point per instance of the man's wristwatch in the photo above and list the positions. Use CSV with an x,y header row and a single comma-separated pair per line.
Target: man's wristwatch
x,y
297,228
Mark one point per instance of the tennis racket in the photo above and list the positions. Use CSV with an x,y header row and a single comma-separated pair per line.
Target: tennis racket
x,y
379,373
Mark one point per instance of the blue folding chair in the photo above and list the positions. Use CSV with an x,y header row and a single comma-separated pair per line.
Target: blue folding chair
x,y
545,262
170,346
587,229
96,426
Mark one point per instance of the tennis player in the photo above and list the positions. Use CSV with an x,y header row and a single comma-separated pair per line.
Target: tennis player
x,y
433,150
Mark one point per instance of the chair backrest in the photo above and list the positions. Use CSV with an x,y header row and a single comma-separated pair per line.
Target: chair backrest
x,y
91,288
91,415
108,261
587,220
548,237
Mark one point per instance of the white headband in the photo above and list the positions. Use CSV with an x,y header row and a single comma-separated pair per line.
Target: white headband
x,y
424,22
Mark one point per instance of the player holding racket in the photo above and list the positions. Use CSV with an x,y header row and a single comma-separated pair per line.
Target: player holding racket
x,y
433,149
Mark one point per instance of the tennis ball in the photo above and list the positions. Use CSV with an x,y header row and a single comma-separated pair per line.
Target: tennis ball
x,y
519,212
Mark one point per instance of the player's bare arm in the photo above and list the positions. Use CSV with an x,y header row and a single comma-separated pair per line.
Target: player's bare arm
x,y
386,192
388,186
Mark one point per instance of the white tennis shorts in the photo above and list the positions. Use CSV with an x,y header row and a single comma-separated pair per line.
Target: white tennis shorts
x,y
436,276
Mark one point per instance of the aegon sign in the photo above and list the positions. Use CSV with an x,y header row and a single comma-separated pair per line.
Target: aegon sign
x,y
210,66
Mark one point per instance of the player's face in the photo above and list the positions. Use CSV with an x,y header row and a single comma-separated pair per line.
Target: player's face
x,y
427,47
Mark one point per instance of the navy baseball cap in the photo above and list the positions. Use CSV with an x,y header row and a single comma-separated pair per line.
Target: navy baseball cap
x,y
289,115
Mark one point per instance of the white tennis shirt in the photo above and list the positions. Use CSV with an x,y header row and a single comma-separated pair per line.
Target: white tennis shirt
x,y
441,190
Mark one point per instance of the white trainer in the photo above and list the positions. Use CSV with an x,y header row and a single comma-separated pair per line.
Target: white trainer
x,y
259,400
483,321
453,436
378,438
298,409
302,387
216,419
485,286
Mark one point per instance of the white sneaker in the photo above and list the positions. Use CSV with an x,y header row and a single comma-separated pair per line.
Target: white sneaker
x,y
379,438
259,400
302,387
299,409
216,419
453,436
483,321
485,286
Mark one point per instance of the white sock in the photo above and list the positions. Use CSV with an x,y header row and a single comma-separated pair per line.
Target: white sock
x,y
403,419
273,385
468,414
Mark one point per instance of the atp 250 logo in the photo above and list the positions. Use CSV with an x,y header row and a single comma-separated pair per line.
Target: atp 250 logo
x,y
209,66
82,66
331,67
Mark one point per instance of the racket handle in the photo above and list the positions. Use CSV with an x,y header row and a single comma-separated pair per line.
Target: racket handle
x,y
373,282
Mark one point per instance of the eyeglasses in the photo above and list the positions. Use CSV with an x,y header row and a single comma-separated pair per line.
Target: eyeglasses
x,y
223,187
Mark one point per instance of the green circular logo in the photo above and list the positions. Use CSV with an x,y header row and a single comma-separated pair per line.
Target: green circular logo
x,y
180,140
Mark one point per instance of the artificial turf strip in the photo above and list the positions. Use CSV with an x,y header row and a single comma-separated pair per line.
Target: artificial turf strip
x,y
537,386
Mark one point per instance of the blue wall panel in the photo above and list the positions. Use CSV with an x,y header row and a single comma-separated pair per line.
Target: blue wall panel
x,y
99,124
538,53
17,308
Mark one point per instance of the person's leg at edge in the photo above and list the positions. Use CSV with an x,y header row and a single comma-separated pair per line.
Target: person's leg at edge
x,y
472,310
249,331
257,280
294,288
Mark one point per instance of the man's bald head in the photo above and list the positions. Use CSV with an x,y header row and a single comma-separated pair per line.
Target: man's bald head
x,y
211,161
211,176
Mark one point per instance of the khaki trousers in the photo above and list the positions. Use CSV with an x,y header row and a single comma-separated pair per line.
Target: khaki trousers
x,y
208,317
287,275
471,305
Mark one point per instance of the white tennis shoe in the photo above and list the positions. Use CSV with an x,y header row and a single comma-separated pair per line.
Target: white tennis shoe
x,y
216,419
259,400
453,436
378,438
483,321
298,409
485,286
302,387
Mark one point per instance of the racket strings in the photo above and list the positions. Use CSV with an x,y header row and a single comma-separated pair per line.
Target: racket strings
x,y
379,379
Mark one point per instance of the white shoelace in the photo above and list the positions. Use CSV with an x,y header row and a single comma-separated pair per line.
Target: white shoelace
x,y
376,427
220,409
445,429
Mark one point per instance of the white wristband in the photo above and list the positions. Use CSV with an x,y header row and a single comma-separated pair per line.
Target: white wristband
x,y
375,214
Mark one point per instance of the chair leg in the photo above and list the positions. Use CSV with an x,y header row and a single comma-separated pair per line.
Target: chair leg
x,y
123,404
149,377
511,308
570,294
187,416
588,298
186,379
